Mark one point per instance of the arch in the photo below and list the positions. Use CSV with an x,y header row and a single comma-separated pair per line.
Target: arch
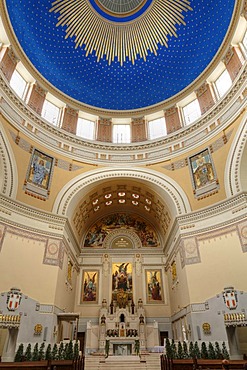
x,y
171,192
235,170
8,169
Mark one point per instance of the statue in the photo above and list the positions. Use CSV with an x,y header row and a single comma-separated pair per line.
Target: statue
x,y
107,347
137,347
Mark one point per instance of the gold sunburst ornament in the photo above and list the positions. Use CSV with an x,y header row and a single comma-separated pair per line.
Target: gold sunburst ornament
x,y
120,39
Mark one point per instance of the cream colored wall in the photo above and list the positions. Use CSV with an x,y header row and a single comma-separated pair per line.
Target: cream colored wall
x,y
3,337
21,266
178,290
222,264
219,157
60,176
65,292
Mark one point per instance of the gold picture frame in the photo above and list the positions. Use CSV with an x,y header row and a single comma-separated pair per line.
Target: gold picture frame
x,y
89,288
154,286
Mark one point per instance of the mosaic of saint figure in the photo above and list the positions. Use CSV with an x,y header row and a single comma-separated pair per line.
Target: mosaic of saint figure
x,y
202,169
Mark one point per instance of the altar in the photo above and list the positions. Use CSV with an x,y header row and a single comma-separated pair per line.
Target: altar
x,y
122,328
122,349
122,346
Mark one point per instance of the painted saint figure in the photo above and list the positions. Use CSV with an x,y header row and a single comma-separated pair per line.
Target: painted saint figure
x,y
154,288
39,172
89,287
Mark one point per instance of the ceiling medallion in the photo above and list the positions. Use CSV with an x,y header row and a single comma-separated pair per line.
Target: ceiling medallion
x,y
94,28
121,7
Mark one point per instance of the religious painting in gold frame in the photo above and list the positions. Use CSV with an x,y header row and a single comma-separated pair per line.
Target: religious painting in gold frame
x,y
154,286
89,289
122,287
122,276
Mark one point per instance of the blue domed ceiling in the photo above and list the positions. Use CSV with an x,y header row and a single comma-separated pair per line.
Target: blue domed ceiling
x,y
120,54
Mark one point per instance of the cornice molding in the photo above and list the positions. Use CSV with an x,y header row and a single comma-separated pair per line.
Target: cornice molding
x,y
208,221
235,160
9,178
34,127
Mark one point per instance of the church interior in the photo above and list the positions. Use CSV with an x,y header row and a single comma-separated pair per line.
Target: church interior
x,y
123,175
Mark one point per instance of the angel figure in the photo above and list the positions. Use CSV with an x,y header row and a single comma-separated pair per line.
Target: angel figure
x,y
89,289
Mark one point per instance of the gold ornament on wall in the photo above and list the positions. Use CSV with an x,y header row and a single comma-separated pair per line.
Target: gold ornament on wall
x,y
38,329
206,328
174,271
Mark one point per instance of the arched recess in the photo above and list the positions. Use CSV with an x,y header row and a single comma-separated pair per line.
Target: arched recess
x,y
172,194
8,168
236,170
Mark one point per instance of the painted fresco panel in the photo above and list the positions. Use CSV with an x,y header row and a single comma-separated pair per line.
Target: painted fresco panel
x,y
89,290
98,232
122,285
154,288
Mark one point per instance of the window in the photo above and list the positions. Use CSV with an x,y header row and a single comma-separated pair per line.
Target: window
x,y
157,128
85,128
121,133
50,112
223,83
191,112
18,84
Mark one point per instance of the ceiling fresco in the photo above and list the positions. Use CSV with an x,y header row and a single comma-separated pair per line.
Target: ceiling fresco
x,y
98,232
121,57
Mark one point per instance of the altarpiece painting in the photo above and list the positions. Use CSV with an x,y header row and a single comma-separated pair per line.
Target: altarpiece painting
x,y
89,291
154,287
122,288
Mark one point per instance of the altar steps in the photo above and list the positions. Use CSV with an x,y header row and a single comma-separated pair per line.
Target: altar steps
x,y
149,361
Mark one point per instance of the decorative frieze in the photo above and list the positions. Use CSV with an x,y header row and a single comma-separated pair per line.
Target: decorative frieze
x,y
150,152
54,252
189,251
242,232
27,147
53,248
